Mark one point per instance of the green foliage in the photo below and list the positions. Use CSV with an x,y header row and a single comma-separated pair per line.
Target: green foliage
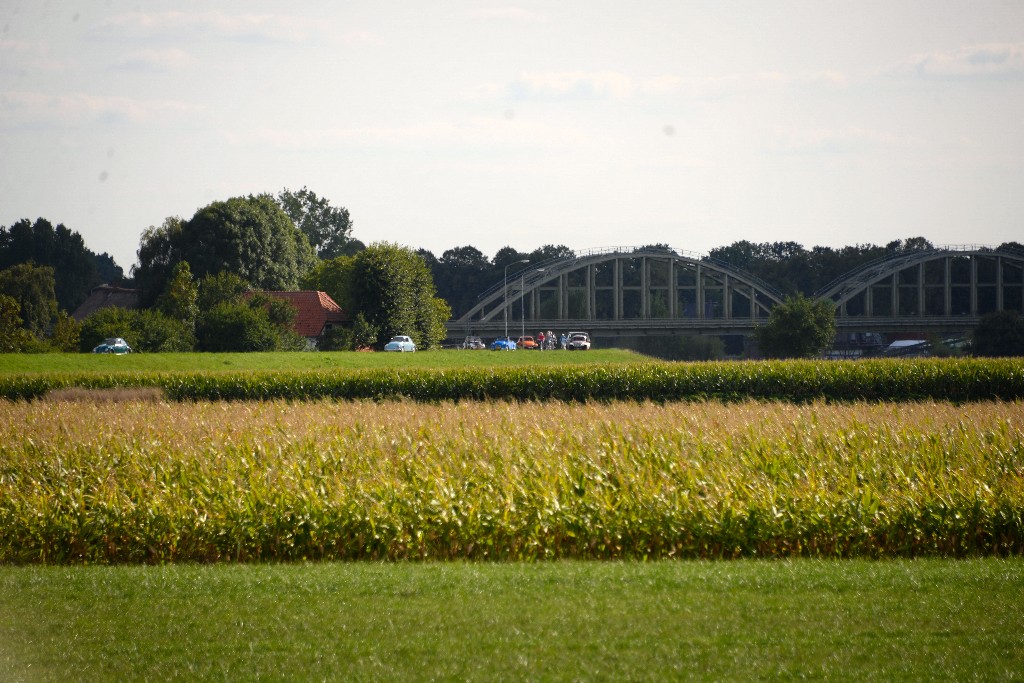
x,y
32,287
220,288
179,300
76,268
394,291
327,228
146,330
799,327
13,337
248,236
1000,333
364,334
66,335
333,276
236,327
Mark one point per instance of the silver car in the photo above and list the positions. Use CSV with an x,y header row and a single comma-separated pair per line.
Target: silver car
x,y
400,343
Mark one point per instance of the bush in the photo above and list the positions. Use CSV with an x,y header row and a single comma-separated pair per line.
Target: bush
x,y
236,327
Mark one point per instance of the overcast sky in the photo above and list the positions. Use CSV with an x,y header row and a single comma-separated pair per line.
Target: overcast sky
x,y
578,122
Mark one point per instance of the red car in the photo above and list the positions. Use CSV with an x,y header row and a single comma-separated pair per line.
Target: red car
x,y
526,342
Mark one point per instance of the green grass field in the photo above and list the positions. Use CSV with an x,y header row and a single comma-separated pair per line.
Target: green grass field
x,y
76,469
919,620
20,363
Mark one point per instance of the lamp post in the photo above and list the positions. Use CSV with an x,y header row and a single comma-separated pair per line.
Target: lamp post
x,y
506,292
522,305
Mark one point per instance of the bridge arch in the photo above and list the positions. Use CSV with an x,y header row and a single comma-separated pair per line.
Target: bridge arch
x,y
946,284
619,290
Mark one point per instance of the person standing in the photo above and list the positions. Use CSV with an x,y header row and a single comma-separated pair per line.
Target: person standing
x,y
540,340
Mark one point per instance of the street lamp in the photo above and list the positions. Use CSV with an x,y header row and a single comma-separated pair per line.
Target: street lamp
x,y
522,305
506,292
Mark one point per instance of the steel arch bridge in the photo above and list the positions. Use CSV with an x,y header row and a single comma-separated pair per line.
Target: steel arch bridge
x,y
622,291
947,288
632,291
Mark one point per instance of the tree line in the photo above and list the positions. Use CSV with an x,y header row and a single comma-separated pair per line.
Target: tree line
x,y
195,278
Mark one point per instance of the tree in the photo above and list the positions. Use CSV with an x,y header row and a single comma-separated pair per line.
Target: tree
x,y
799,327
251,237
394,291
224,287
180,298
66,334
32,287
13,337
76,268
1000,333
327,228
333,276
236,327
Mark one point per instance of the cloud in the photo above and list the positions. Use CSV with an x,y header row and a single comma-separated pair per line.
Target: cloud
x,y
213,25
992,60
172,59
832,141
478,133
508,14
572,85
610,85
34,108
16,55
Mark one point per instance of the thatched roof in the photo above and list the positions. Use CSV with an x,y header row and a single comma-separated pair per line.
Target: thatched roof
x,y
106,296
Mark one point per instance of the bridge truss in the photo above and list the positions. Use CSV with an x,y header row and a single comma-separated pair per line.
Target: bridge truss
x,y
623,291
626,291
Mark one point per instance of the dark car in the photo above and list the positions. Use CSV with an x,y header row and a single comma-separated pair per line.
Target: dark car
x,y
113,345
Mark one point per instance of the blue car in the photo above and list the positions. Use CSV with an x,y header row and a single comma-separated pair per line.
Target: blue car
x,y
113,345
503,344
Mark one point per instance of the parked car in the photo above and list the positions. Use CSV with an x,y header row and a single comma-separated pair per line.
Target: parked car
x,y
503,344
578,341
527,342
113,345
400,343
473,343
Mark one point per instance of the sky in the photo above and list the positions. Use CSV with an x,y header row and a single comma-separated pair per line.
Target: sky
x,y
580,122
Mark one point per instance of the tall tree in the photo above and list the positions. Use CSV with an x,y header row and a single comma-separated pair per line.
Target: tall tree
x,y
249,236
394,291
799,327
76,268
32,287
328,228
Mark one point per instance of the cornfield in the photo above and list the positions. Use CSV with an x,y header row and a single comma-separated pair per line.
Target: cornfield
x,y
152,481
878,380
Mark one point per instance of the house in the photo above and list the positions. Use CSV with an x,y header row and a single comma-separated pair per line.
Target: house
x,y
105,296
315,313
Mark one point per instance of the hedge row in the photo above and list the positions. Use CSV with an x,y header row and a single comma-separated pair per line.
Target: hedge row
x,y
889,380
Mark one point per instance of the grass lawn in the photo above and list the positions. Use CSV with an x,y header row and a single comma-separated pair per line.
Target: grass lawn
x,y
13,363
743,620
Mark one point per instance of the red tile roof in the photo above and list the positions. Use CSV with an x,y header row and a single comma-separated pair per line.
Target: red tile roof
x,y
314,310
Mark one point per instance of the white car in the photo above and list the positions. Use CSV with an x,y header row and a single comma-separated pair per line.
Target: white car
x,y
400,343
578,341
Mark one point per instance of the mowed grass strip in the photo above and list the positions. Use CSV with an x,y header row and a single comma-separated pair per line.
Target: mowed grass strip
x,y
151,482
47,363
826,620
